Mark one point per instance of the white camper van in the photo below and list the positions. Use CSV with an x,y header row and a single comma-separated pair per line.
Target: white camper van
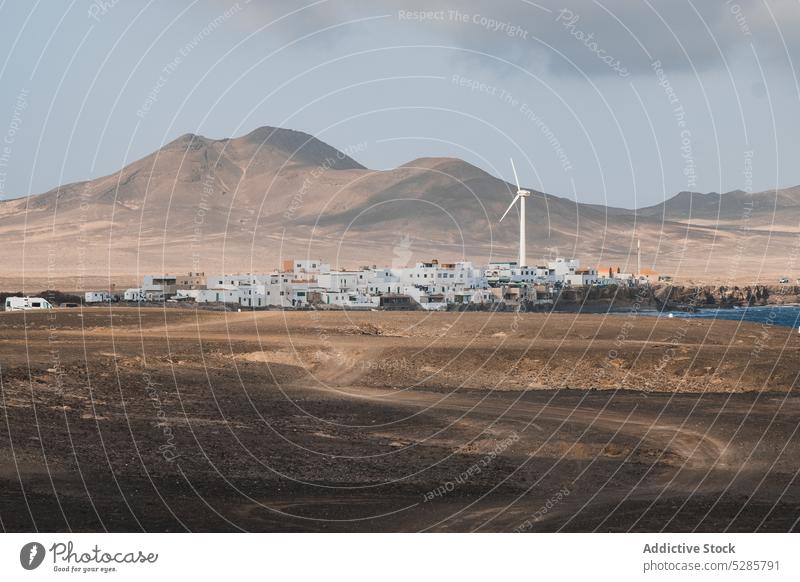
x,y
134,295
26,303
97,297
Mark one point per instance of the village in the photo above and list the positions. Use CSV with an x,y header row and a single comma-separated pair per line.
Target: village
x,y
431,285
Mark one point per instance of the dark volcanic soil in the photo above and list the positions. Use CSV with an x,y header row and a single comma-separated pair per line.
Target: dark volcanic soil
x,y
128,420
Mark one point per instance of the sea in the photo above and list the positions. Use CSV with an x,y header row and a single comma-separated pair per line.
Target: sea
x,y
784,315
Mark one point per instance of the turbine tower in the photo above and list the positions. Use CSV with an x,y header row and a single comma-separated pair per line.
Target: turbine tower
x,y
638,258
521,196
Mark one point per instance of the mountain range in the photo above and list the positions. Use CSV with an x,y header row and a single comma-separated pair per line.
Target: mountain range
x,y
244,204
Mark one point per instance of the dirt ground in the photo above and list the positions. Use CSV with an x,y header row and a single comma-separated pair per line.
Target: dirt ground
x,y
172,420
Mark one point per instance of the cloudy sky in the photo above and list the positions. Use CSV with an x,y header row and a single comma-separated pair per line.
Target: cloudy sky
x,y
623,102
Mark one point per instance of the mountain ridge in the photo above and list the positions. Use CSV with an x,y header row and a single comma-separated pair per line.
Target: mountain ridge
x,y
245,203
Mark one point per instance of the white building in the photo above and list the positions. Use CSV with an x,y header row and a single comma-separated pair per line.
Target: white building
x,y
253,296
159,287
297,293
343,280
351,299
431,284
210,295
625,277
305,269
562,267
583,278
503,273
382,281
162,285
544,274
228,281
278,292
439,277
428,301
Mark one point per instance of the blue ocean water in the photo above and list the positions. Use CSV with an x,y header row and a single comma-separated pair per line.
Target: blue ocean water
x,y
785,315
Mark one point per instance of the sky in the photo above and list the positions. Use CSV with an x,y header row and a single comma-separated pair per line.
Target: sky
x,y
615,102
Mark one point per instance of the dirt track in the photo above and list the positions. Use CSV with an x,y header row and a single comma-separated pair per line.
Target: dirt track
x,y
174,420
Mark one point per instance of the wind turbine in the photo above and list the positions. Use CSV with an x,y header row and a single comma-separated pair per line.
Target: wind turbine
x,y
521,196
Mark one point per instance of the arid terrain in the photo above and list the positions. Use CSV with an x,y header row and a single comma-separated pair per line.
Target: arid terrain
x,y
171,420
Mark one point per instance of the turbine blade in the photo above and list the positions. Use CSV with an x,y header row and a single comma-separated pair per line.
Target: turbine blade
x,y
510,206
516,178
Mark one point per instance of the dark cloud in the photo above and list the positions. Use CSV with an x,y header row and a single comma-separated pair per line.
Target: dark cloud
x,y
607,37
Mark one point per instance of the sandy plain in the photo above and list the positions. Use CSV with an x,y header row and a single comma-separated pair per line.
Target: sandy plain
x,y
152,419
